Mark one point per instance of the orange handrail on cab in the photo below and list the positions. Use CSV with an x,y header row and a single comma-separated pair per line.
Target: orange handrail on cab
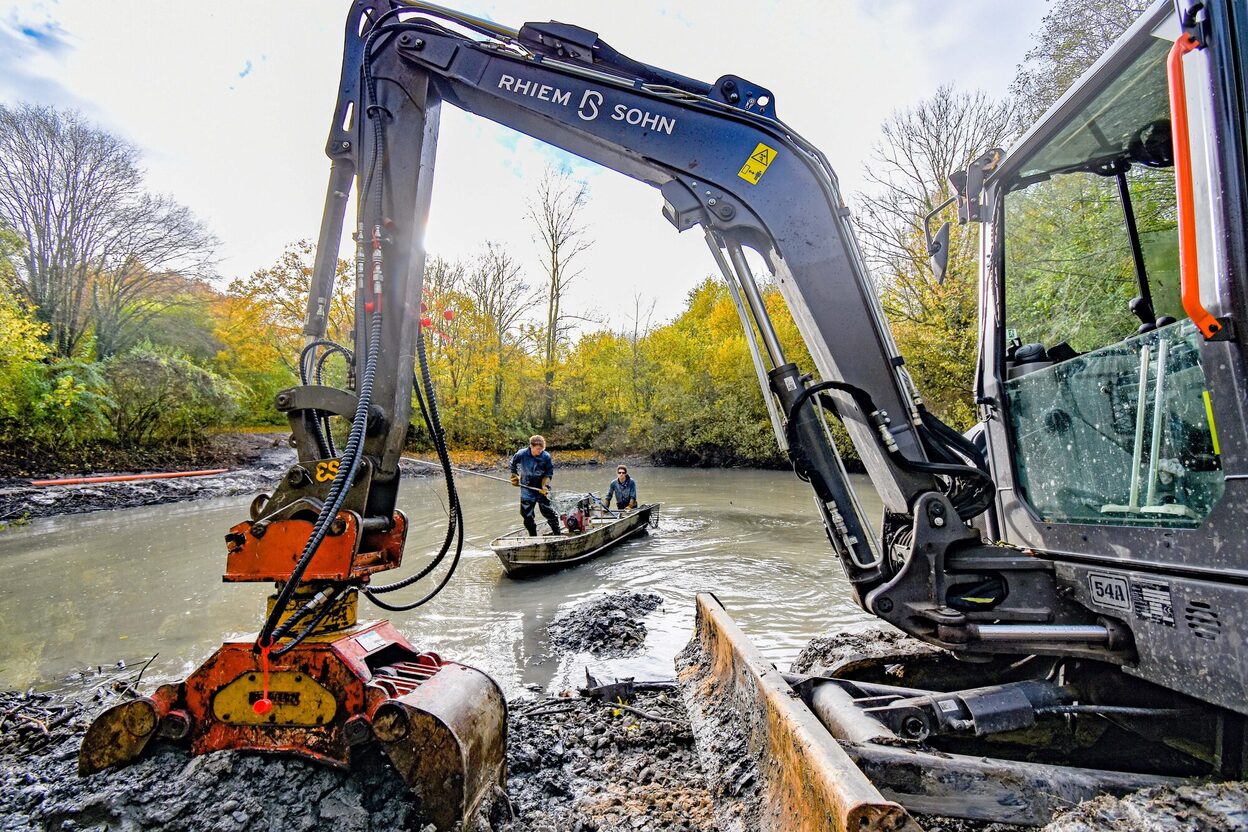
x,y
1189,277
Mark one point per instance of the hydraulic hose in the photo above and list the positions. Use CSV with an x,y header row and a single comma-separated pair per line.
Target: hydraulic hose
x,y
351,455
320,376
941,469
317,421
310,627
455,526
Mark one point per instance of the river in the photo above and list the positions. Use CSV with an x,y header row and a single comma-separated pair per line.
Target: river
x,y
81,590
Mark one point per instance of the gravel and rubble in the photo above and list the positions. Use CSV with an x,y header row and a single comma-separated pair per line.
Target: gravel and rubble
x,y
1211,807
607,626
576,763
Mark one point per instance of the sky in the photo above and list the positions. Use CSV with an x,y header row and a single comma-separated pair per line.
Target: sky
x,y
229,102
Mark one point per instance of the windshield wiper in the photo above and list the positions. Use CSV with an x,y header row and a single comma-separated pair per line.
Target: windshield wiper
x,y
1141,306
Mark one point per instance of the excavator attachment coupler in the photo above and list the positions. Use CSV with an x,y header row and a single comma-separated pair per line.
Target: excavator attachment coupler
x,y
442,724
781,769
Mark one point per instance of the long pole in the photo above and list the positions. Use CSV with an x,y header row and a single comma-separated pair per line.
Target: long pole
x,y
546,492
501,479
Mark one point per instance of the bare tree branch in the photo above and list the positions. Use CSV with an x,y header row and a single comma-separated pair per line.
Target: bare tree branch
x,y
102,255
555,212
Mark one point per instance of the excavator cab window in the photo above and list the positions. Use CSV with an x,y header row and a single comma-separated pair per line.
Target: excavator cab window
x,y
1106,396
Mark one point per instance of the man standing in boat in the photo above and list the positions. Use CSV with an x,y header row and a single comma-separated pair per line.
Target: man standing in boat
x,y
532,469
624,489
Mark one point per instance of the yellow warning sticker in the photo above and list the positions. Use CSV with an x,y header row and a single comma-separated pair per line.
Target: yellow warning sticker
x,y
1213,429
757,164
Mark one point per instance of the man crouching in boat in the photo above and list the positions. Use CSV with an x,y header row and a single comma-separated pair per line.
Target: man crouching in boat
x,y
624,489
532,469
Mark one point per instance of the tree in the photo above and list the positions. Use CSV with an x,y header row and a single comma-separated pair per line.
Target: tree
x,y
501,298
99,250
1072,36
640,364
934,322
281,295
259,325
160,249
555,212
594,390
707,405
160,396
22,350
448,341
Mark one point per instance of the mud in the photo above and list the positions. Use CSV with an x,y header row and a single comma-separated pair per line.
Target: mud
x,y
29,502
170,790
577,765
608,626
825,654
1215,807
574,763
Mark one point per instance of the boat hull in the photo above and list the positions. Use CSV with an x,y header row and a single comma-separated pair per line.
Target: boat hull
x,y
524,555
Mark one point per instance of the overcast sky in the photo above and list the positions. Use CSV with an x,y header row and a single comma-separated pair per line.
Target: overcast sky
x,y
230,100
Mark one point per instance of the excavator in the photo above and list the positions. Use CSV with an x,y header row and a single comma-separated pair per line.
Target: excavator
x,y
1075,566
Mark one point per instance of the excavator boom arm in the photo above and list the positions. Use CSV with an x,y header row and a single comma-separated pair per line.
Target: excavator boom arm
x,y
720,158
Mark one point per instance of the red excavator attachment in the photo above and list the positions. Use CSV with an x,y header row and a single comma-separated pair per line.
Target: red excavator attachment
x,y
442,724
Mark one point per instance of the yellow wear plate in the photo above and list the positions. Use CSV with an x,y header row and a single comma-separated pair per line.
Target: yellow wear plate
x,y
297,700
757,164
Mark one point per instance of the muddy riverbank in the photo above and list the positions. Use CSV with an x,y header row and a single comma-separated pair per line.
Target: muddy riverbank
x,y
576,761
256,462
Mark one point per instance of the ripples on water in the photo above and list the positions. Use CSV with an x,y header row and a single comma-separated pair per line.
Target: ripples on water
x,y
90,589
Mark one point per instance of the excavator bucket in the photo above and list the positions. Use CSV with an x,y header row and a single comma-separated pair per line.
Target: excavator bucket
x,y
447,738
782,768
442,724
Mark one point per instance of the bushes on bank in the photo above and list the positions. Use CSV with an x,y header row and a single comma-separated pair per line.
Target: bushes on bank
x,y
148,397
160,396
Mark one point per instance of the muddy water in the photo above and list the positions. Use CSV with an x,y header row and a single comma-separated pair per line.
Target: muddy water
x,y
78,591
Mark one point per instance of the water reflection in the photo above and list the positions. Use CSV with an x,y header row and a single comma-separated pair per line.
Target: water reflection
x,y
91,589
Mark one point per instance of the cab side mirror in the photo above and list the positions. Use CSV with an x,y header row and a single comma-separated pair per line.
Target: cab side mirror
x,y
938,252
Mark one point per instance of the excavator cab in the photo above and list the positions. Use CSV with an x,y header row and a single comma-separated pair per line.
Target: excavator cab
x,y
1111,366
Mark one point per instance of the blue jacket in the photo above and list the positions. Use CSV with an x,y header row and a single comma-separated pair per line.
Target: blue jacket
x,y
624,492
532,469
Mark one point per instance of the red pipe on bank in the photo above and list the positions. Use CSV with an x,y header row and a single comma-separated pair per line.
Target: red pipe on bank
x,y
128,477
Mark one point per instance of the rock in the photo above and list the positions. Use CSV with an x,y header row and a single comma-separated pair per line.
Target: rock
x,y
609,625
1214,807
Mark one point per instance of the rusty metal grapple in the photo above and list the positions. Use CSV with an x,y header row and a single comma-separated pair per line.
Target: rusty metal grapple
x,y
442,724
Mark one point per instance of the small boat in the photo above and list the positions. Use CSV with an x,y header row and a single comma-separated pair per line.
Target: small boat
x,y
522,554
